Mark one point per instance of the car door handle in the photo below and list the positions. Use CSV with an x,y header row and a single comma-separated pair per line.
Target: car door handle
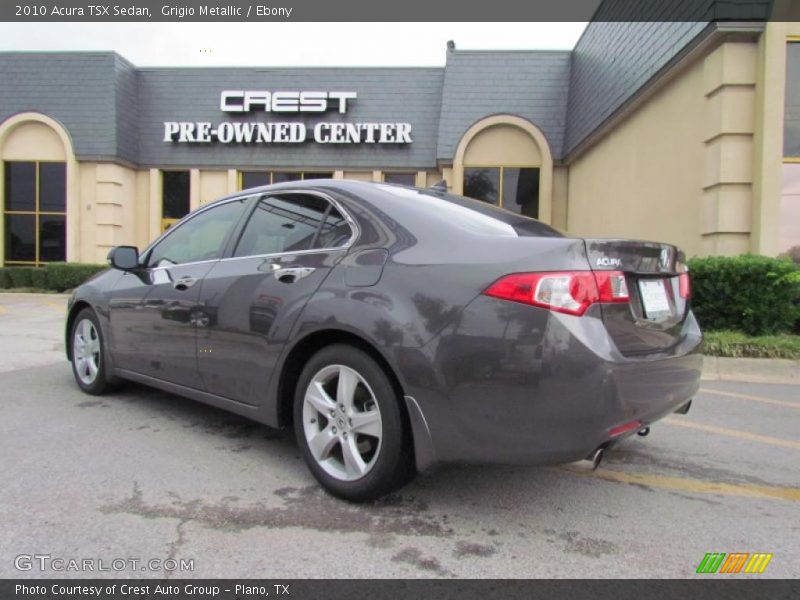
x,y
184,283
292,274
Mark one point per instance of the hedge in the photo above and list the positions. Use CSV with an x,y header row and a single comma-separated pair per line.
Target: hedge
x,y
757,295
21,276
53,276
65,276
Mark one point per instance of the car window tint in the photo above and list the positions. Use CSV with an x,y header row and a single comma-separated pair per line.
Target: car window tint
x,y
285,223
200,238
335,231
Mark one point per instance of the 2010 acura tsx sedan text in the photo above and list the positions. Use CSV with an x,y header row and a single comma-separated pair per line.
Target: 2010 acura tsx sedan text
x,y
396,328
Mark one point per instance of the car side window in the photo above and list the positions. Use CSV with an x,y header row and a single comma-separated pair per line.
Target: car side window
x,y
200,238
285,223
335,232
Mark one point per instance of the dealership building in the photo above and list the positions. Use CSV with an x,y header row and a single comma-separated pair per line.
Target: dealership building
x,y
685,132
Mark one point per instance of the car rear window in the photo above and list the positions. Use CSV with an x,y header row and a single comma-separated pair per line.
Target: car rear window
x,y
475,215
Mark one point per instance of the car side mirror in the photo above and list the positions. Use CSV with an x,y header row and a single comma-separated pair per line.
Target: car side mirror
x,y
124,258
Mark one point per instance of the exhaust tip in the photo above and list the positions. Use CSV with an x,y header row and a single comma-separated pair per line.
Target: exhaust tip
x,y
597,458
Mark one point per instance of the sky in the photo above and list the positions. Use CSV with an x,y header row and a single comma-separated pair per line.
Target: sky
x,y
287,44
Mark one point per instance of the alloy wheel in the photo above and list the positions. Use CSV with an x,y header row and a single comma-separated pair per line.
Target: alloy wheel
x,y
342,423
86,351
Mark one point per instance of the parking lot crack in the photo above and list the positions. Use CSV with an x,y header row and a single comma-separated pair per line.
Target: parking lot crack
x,y
306,508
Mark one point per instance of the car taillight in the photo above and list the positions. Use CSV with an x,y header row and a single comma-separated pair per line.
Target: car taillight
x,y
684,285
570,292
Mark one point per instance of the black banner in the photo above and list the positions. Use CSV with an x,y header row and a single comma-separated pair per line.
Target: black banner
x,y
378,589
408,10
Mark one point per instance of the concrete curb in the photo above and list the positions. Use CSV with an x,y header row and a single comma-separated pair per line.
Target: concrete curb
x,y
757,370
33,295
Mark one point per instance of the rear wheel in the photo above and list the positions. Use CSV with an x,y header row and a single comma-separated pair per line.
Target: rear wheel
x,y
349,425
88,346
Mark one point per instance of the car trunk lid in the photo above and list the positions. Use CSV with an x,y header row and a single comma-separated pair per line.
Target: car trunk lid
x,y
652,321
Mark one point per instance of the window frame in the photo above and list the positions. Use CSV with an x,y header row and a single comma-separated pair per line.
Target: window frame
x,y
270,173
35,213
251,202
790,159
413,175
168,222
247,199
354,229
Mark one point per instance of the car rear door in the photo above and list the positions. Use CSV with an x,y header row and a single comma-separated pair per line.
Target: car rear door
x,y
252,299
153,311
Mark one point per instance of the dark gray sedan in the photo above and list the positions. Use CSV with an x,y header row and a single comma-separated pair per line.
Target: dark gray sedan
x,y
396,328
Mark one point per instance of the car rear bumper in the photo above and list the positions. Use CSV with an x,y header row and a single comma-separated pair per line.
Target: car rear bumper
x,y
512,383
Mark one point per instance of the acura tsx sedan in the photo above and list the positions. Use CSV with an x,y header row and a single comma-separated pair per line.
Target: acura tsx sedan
x,y
396,328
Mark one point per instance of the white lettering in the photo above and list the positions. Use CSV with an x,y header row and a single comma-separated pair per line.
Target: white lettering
x,y
285,101
322,133
238,101
170,129
204,132
286,132
243,132
313,101
225,133
231,101
343,97
186,133
256,98
404,133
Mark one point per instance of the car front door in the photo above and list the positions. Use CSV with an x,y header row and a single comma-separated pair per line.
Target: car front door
x,y
253,298
153,311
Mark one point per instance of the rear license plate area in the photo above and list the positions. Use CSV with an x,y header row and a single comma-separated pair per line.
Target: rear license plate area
x,y
655,301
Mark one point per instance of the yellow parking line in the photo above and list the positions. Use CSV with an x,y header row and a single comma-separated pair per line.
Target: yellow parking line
x,y
754,398
742,435
58,307
3,310
692,485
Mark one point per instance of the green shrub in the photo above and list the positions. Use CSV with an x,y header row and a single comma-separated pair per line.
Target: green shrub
x,y
21,277
39,278
65,276
754,294
5,279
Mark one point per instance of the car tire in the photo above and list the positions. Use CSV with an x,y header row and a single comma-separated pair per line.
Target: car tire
x,y
88,353
350,425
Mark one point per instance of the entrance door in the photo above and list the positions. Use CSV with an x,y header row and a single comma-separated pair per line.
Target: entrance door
x,y
153,311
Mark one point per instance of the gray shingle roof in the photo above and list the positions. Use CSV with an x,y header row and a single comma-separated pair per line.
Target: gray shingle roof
x,y
611,62
77,89
529,84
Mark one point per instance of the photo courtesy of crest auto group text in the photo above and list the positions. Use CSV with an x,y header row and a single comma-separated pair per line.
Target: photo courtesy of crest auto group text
x,y
335,300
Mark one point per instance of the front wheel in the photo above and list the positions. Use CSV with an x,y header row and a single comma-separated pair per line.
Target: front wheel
x,y
88,361
349,424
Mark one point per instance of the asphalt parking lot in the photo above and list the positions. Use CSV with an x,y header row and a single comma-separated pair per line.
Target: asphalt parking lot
x,y
146,475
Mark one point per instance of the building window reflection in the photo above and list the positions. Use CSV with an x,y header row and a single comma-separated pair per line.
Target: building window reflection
x,y
251,179
35,212
513,188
